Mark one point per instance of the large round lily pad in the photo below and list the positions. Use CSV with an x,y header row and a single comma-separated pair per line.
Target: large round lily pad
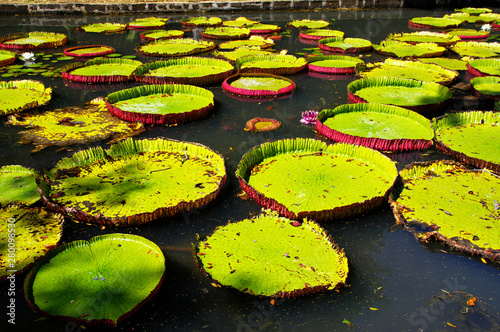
x,y
306,178
410,69
401,49
335,64
201,21
241,52
89,51
377,126
226,33
104,27
476,49
18,185
434,22
161,103
278,64
7,58
134,181
317,34
308,24
439,38
174,47
101,71
484,67
188,70
101,281
471,137
444,201
488,86
17,96
162,34
253,41
422,97
258,85
33,232
466,34
297,260
345,45
147,23
33,40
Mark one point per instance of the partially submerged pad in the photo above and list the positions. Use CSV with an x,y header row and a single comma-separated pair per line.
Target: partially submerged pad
x,y
297,260
174,47
37,230
444,201
33,40
277,64
17,96
96,282
163,104
302,178
18,185
258,85
134,182
377,126
101,71
471,137
74,125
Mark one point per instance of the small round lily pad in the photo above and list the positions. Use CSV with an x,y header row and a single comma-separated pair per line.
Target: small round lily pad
x,y
262,124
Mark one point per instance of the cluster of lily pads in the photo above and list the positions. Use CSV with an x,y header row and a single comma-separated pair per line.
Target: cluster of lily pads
x,y
298,182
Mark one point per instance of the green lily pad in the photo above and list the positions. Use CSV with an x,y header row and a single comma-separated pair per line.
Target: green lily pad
x,y
201,21
35,231
88,51
434,22
253,41
258,85
104,27
17,96
147,23
18,185
317,34
226,33
305,178
101,71
161,104
33,40
335,64
188,70
134,181
410,69
422,97
299,260
74,125
468,33
308,24
377,126
7,58
401,49
471,137
484,67
473,10
241,22
260,28
101,281
444,201
476,49
488,17
240,52
441,39
174,47
487,85
162,34
277,64
345,45
451,64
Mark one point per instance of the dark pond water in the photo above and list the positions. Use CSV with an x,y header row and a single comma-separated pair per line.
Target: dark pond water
x,y
389,270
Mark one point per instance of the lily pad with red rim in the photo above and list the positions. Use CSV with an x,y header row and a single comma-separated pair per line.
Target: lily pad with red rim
x,y
377,126
345,45
241,22
134,181
262,124
317,34
260,28
162,34
96,282
418,96
277,64
476,49
306,178
298,260
89,51
240,52
226,33
253,41
101,70
104,27
308,24
7,58
335,64
401,49
33,40
434,22
201,21
488,86
147,23
163,104
174,47
470,137
443,200
466,34
484,67
258,85
441,39
17,96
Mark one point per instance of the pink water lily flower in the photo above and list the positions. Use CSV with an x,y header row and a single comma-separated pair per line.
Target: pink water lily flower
x,y
309,117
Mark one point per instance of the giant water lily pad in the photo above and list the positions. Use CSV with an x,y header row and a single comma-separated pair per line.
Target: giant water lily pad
x,y
401,49
486,86
101,281
484,67
189,70
147,23
468,33
278,64
89,51
377,126
18,185
451,64
226,33
442,39
306,178
473,10
476,49
317,34
335,64
253,41
444,201
297,260
74,125
241,22
104,27
308,24
35,231
411,69
17,96
101,71
258,85
174,47
134,181
434,22
7,58
241,52
201,21
422,97
33,40
161,104
345,45
470,137
260,28
162,34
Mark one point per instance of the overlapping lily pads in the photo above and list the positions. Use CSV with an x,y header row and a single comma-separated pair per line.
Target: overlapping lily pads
x,y
253,41
101,71
74,125
488,86
241,22
434,22
377,126
189,70
470,137
258,85
278,64
444,201
335,64
18,186
441,39
175,47
226,33
466,34
401,49
298,260
308,24
89,51
96,282
164,104
33,40
260,28
7,58
35,231
418,96
306,178
317,34
484,67
241,52
201,21
345,45
411,69
473,10
162,34
147,23
104,27
17,96
134,181
451,64
476,49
